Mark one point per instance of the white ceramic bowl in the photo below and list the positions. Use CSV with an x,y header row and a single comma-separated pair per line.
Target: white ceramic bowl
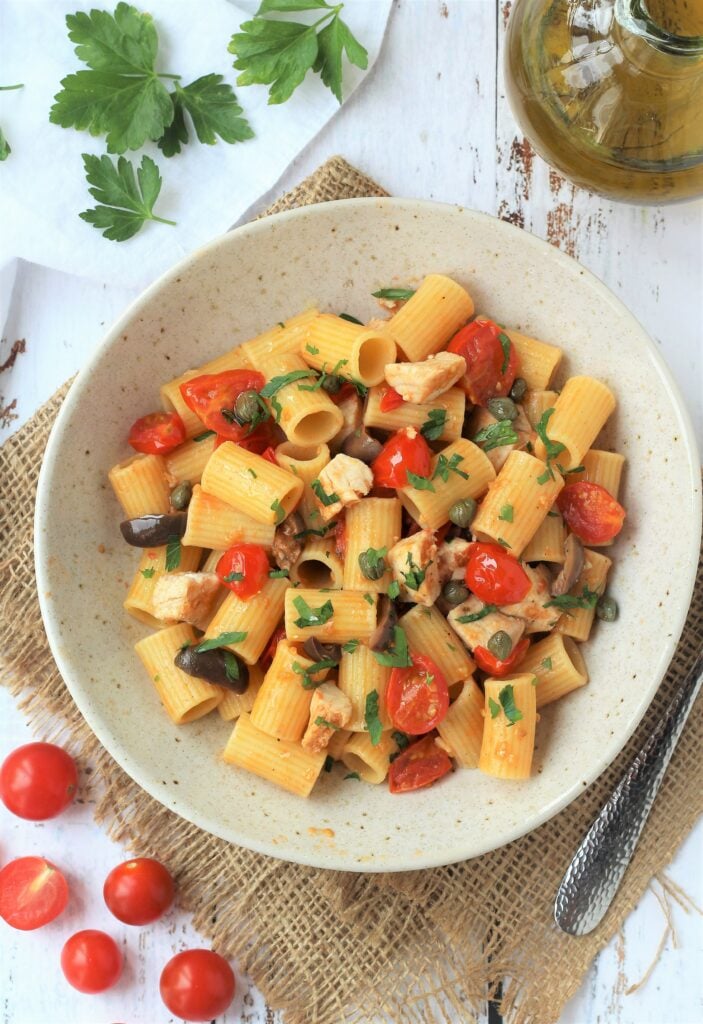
x,y
335,255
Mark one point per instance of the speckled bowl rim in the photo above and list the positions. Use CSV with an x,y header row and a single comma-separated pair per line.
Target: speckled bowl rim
x,y
73,400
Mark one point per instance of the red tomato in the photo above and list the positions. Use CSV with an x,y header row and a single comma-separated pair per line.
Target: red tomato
x,y
244,568
270,455
197,985
405,451
37,781
420,765
263,437
268,655
138,891
494,576
32,892
212,396
488,373
494,666
157,433
591,512
340,538
91,961
417,698
390,399
346,391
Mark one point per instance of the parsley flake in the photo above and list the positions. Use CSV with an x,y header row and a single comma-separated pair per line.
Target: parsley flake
x,y
222,640
493,707
283,380
371,719
309,617
353,775
350,646
322,496
397,655
233,577
446,466
420,483
433,426
147,573
231,667
368,599
415,576
547,663
496,435
312,350
351,319
506,513
507,702
204,436
505,345
395,294
393,590
306,674
279,510
324,724
173,553
279,574
588,599
487,609
552,448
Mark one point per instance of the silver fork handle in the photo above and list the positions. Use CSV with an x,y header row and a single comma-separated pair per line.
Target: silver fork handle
x,y
594,875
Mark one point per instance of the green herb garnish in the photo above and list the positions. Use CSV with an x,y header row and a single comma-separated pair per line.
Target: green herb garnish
x,y
371,719
446,466
487,609
588,599
397,655
505,345
279,574
507,702
173,553
552,448
353,775
350,646
415,576
496,435
323,723
223,640
309,617
147,573
393,589
368,599
204,436
351,319
231,667
547,663
493,707
312,350
233,577
506,513
420,483
283,380
279,510
125,202
397,294
306,674
434,425
322,496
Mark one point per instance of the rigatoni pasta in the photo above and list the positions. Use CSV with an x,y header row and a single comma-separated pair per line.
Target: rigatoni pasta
x,y
252,485
140,485
371,524
353,351
460,471
428,320
184,698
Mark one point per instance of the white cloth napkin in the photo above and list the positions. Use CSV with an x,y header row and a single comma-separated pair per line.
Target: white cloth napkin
x,y
205,188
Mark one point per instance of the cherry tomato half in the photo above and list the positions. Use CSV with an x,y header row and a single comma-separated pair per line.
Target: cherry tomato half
x,y
494,576
212,396
244,568
591,512
157,433
340,538
390,399
489,372
269,453
37,781
32,892
420,765
91,961
417,698
494,666
197,985
138,891
405,451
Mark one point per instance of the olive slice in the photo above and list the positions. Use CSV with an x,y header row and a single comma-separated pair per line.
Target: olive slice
x,y
319,651
382,637
212,667
153,531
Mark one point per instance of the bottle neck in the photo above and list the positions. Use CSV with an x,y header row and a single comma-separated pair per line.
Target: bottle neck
x,y
672,27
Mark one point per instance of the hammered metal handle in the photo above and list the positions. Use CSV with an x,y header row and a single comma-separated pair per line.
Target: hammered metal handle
x,y
594,875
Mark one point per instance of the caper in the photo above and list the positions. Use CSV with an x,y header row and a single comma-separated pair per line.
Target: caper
x,y
454,592
500,645
517,391
462,512
607,609
502,408
247,407
331,383
181,495
372,566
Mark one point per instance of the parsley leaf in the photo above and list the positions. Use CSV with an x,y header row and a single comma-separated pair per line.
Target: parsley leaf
x,y
552,448
476,616
506,513
393,589
433,426
503,542
493,707
415,576
222,640
325,724
280,53
324,376
371,719
276,383
397,655
368,599
547,663
173,553
231,666
5,148
147,573
233,577
213,109
306,674
204,436
312,616
310,532
279,510
353,775
507,702
588,599
350,646
401,739
126,203
351,319
505,345
446,466
398,294
279,574
496,435
322,496
420,483
312,350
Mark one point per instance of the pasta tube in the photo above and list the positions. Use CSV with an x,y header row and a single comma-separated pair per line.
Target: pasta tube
x,y
430,318
517,502
547,543
353,351
510,715
282,705
184,697
306,463
428,632
461,470
152,565
212,523
335,617
558,664
284,337
461,729
368,761
140,486
579,415
538,360
370,523
279,761
359,675
305,413
447,412
256,618
319,567
187,462
234,704
251,484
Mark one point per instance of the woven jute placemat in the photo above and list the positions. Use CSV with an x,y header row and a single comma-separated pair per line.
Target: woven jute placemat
x,y
329,947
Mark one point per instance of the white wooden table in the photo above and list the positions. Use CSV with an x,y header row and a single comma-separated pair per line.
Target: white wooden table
x,y
431,121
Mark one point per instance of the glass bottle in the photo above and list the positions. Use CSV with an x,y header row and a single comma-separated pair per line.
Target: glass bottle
x,y
610,92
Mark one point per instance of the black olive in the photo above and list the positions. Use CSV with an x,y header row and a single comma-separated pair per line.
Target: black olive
x,y
384,634
319,651
218,666
153,531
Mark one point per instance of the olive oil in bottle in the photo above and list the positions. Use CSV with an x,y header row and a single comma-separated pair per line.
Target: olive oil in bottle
x,y
610,92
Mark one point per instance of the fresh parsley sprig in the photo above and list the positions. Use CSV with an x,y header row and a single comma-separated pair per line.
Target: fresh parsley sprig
x,y
552,448
588,599
5,149
487,609
433,426
446,466
280,53
222,640
125,202
312,616
496,435
371,718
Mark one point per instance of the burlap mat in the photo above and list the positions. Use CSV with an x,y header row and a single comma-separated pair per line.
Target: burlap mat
x,y
328,947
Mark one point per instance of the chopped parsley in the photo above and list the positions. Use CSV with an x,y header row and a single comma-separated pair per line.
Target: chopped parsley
x,y
319,383
496,435
420,483
323,723
446,466
329,763
415,576
588,599
147,573
278,574
503,542
309,617
507,702
368,599
233,577
547,663
353,775
552,514
552,448
276,383
306,674
173,553
506,513
312,350
231,667
434,425
252,474
397,655
205,434
493,707
576,469
222,640
322,496
351,319
505,345
401,739
350,646
371,719
397,294
393,589
314,533
487,609
279,510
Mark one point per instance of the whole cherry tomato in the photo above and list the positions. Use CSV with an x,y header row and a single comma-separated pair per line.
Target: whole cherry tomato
x,y
244,568
390,399
405,451
491,366
138,891
157,433
494,666
420,765
32,892
197,985
417,697
591,512
212,396
91,961
37,781
494,576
